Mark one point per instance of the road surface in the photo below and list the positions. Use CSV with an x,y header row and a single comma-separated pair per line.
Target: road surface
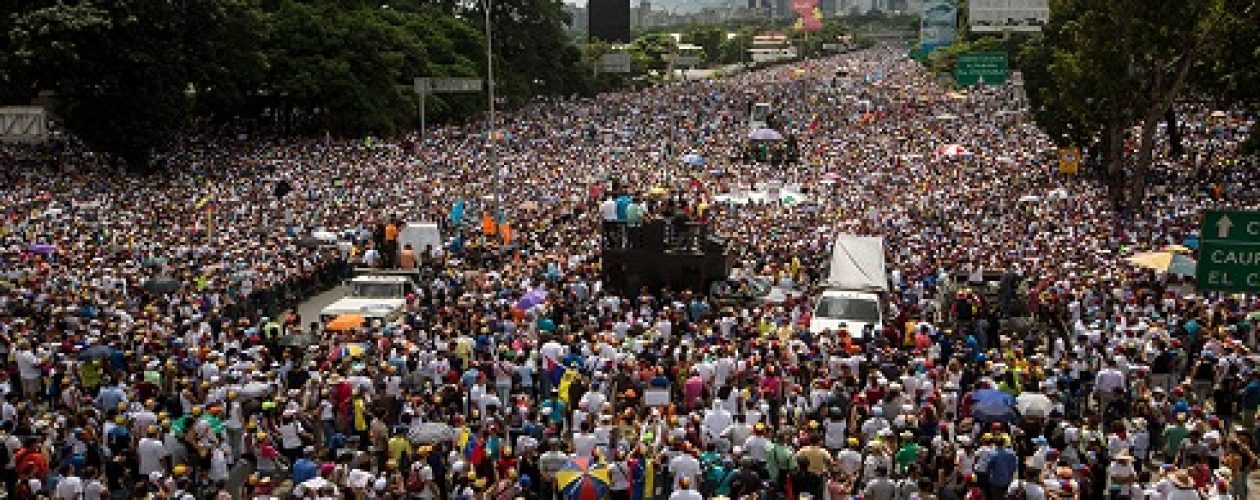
x,y
310,309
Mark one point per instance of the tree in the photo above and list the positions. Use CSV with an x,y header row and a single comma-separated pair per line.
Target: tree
x,y
533,53
117,69
1115,64
128,74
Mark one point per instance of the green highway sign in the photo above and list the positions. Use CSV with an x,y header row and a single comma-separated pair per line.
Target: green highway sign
x,y
1229,251
981,68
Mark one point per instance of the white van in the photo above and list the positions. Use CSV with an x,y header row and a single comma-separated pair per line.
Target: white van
x,y
853,311
852,298
373,297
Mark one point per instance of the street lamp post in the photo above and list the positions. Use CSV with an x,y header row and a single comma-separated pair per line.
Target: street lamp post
x,y
490,125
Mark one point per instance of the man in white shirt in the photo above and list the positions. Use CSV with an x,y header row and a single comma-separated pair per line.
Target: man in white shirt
x,y
584,441
28,371
151,452
70,486
685,491
755,445
685,467
1121,474
1032,490
716,421
1106,383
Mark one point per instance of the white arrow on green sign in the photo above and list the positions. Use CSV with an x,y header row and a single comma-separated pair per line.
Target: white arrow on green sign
x,y
1229,251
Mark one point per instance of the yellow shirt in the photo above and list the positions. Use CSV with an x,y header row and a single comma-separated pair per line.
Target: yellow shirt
x,y
463,348
360,416
398,445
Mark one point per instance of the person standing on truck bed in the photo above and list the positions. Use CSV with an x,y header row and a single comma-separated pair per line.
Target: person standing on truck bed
x,y
378,240
390,250
407,258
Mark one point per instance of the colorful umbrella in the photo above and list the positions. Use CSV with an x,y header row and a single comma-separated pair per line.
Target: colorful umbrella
x,y
1165,262
354,350
44,249
583,479
345,323
532,298
953,151
180,423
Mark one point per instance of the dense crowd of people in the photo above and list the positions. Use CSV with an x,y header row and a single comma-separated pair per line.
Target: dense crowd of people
x,y
144,319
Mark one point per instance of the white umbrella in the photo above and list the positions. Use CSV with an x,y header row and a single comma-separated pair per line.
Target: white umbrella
x,y
765,134
431,433
1033,404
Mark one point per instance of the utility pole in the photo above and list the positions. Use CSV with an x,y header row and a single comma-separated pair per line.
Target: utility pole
x,y
490,133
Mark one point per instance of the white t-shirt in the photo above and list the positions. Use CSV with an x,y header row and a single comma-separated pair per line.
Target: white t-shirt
x,y
93,490
684,465
151,454
584,444
291,435
69,488
1032,491
687,494
833,433
26,362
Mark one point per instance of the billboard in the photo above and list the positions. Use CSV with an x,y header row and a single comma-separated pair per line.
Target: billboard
x,y
940,18
609,20
996,16
23,124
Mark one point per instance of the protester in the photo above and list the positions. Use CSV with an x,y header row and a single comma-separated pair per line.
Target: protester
x,y
146,319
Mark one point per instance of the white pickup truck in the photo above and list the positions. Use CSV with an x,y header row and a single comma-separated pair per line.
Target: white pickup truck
x,y
382,297
851,298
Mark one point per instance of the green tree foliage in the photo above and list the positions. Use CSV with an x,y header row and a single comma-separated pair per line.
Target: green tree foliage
x,y
1104,66
118,68
128,74
533,52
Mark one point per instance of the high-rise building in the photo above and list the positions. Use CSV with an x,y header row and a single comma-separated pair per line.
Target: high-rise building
x,y
783,9
609,20
577,18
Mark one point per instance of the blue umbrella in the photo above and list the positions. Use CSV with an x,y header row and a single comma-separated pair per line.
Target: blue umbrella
x,y
694,160
991,405
44,249
532,298
1182,265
